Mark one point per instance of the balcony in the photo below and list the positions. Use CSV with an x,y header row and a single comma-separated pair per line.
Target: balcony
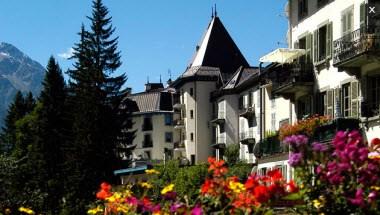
x,y
247,112
357,48
179,106
147,127
179,124
219,119
220,142
326,132
147,143
290,79
271,146
179,146
247,137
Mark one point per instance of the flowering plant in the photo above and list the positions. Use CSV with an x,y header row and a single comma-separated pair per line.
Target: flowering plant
x,y
219,193
305,126
339,178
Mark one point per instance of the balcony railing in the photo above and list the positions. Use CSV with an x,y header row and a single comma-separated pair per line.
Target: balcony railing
x,y
270,146
221,139
219,118
247,137
179,124
365,40
326,132
179,145
370,109
147,143
147,127
292,78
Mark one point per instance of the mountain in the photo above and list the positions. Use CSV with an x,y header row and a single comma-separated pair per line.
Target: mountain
x,y
17,72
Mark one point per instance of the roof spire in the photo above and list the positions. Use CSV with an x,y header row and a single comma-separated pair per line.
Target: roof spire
x,y
212,12
147,79
215,13
160,79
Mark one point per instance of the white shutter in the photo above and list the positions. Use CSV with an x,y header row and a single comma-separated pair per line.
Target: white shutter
x,y
309,48
329,38
315,47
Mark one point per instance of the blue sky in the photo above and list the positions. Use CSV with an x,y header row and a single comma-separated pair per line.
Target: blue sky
x,y
154,35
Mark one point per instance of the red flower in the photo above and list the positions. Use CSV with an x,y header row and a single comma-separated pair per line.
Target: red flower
x,y
275,175
217,167
261,194
291,187
251,182
207,186
102,194
375,141
105,186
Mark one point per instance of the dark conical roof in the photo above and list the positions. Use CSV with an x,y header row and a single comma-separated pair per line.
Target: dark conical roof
x,y
217,49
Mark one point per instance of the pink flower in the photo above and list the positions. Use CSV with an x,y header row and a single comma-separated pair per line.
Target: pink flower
x,y
359,198
295,159
197,210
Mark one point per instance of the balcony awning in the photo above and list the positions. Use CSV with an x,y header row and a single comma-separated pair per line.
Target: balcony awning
x,y
282,55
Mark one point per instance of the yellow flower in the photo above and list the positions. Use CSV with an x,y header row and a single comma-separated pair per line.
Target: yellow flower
x,y
377,188
317,204
127,193
116,197
152,171
122,209
146,185
26,210
236,187
95,210
167,189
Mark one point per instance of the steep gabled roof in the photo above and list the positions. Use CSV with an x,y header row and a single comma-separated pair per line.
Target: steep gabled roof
x,y
146,102
217,49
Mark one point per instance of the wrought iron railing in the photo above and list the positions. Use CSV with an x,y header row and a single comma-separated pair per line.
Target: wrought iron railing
x,y
271,145
246,134
179,145
364,39
293,73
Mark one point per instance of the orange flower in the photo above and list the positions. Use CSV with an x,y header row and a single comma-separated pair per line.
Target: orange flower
x,y
102,194
105,186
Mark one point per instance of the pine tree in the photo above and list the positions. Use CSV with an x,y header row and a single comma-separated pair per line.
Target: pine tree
x,y
16,111
94,99
45,154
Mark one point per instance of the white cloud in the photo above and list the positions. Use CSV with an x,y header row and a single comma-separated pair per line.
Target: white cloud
x,y
66,55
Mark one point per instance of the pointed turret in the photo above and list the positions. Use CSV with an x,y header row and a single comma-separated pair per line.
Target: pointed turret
x,y
217,49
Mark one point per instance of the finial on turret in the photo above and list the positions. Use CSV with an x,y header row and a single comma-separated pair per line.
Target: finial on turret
x,y
215,12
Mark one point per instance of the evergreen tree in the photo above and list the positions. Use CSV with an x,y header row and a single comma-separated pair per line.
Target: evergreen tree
x,y
17,110
94,99
45,154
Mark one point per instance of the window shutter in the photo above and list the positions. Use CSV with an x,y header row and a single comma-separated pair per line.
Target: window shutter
x,y
315,46
329,38
362,15
309,48
330,103
355,99
338,104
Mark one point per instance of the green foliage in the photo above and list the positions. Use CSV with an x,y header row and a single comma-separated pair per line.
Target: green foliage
x,y
231,154
240,169
187,179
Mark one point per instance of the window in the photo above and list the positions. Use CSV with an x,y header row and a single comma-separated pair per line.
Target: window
x,y
191,136
240,102
191,91
221,109
273,103
373,98
302,9
322,43
192,159
147,124
303,107
191,114
168,137
347,23
168,119
273,121
346,106
322,103
305,43
147,142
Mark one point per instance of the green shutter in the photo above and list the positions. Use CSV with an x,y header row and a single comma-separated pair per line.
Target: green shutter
x,y
330,103
363,15
309,48
329,41
355,99
315,46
